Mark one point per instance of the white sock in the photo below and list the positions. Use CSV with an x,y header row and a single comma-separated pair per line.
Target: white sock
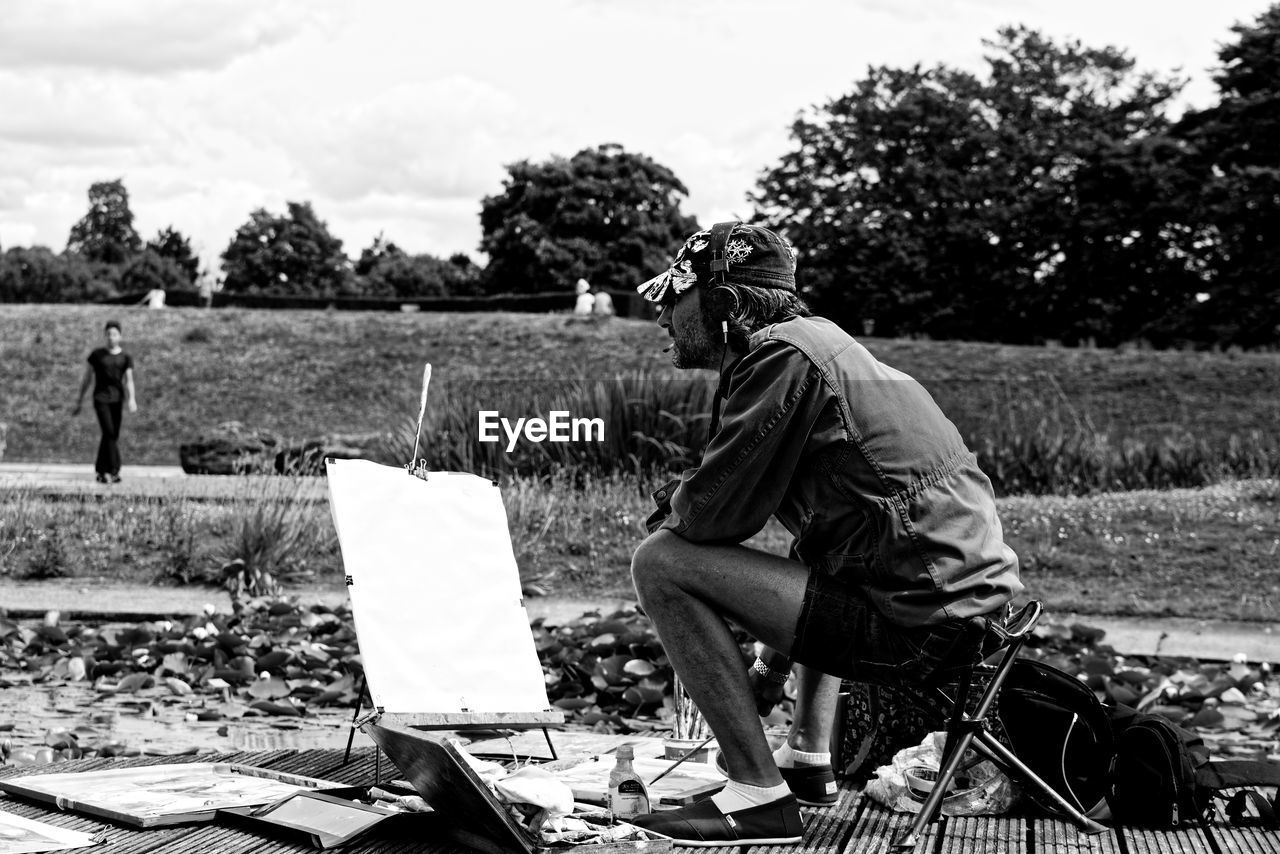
x,y
739,796
787,757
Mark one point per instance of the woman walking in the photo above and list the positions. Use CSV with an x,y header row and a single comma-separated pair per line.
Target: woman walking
x,y
110,371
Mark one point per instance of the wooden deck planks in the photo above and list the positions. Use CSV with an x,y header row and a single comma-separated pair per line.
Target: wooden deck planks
x,y
877,829
828,830
825,829
855,826
1188,841
328,765
1244,840
985,833
1057,836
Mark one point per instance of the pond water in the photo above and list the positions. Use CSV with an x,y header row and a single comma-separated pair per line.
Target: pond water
x,y
156,722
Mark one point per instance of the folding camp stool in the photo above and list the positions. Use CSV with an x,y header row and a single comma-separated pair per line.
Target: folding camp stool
x,y
965,730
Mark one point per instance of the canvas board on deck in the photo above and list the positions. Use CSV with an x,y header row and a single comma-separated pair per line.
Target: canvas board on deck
x,y
435,595
20,835
445,780
156,795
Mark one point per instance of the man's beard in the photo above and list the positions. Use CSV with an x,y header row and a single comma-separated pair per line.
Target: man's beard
x,y
698,350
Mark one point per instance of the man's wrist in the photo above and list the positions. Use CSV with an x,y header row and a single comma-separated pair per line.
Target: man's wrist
x,y
777,677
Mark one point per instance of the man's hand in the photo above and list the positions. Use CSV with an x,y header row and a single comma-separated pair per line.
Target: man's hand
x,y
767,683
767,694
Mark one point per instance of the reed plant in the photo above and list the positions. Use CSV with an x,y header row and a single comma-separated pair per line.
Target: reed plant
x,y
1046,459
650,422
274,530
655,425
16,526
272,525
1209,552
574,532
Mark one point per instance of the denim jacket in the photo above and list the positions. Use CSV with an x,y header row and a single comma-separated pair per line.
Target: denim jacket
x,y
857,461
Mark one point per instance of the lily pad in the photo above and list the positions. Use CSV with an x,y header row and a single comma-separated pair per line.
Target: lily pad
x,y
270,688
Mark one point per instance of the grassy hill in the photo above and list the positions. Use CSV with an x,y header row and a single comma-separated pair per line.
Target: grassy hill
x,y
1207,553
304,373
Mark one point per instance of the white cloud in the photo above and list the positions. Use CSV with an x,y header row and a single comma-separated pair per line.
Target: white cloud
x,y
60,114
143,36
396,141
436,225
398,117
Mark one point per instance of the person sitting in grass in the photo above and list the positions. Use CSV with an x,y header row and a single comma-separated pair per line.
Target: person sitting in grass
x,y
897,543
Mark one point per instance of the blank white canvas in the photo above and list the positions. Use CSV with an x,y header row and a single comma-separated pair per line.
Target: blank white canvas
x,y
435,591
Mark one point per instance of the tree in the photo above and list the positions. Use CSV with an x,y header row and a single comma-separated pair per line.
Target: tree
x,y
151,271
171,244
605,214
1236,145
467,276
36,274
106,232
379,251
290,254
935,201
386,270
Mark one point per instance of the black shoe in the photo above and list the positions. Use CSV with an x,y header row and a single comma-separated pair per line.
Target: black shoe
x,y
702,825
113,478
102,478
813,785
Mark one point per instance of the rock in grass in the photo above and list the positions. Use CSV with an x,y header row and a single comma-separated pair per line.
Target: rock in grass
x,y
231,448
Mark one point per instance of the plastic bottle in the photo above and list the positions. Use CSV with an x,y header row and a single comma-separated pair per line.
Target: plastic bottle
x,y
628,796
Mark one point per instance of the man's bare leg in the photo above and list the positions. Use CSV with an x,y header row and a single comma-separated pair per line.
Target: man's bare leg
x,y
815,713
688,590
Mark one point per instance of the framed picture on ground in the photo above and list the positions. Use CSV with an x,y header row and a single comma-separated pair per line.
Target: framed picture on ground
x,y
20,835
154,795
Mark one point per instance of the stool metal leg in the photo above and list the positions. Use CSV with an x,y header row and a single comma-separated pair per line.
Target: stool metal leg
x,y
1015,767
971,729
969,726
934,801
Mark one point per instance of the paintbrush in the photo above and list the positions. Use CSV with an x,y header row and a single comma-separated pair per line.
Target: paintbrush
x,y
686,755
422,411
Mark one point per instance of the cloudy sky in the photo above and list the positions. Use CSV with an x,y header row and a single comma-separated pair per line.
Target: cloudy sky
x,y
397,116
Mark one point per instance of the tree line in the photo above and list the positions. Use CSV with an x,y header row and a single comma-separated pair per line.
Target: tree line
x,y
1052,197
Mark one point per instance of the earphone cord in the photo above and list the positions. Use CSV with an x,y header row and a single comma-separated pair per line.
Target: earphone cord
x,y
715,405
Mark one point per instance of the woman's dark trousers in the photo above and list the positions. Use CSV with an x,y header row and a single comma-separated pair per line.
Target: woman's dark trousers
x,y
109,415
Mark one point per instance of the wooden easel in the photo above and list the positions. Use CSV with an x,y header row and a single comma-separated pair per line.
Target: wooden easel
x,y
436,598
460,722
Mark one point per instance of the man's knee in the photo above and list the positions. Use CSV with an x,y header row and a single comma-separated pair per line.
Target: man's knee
x,y
654,559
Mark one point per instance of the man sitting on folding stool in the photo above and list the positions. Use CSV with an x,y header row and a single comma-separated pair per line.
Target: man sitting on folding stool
x,y
897,544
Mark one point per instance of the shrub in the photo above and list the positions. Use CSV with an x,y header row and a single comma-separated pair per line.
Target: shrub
x,y
275,529
37,274
148,271
15,527
49,555
180,542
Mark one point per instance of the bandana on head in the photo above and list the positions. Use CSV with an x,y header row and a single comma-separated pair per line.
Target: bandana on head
x,y
744,243
679,277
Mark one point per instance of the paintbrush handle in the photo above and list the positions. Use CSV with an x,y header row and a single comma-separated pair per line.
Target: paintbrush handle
x,y
686,755
422,411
